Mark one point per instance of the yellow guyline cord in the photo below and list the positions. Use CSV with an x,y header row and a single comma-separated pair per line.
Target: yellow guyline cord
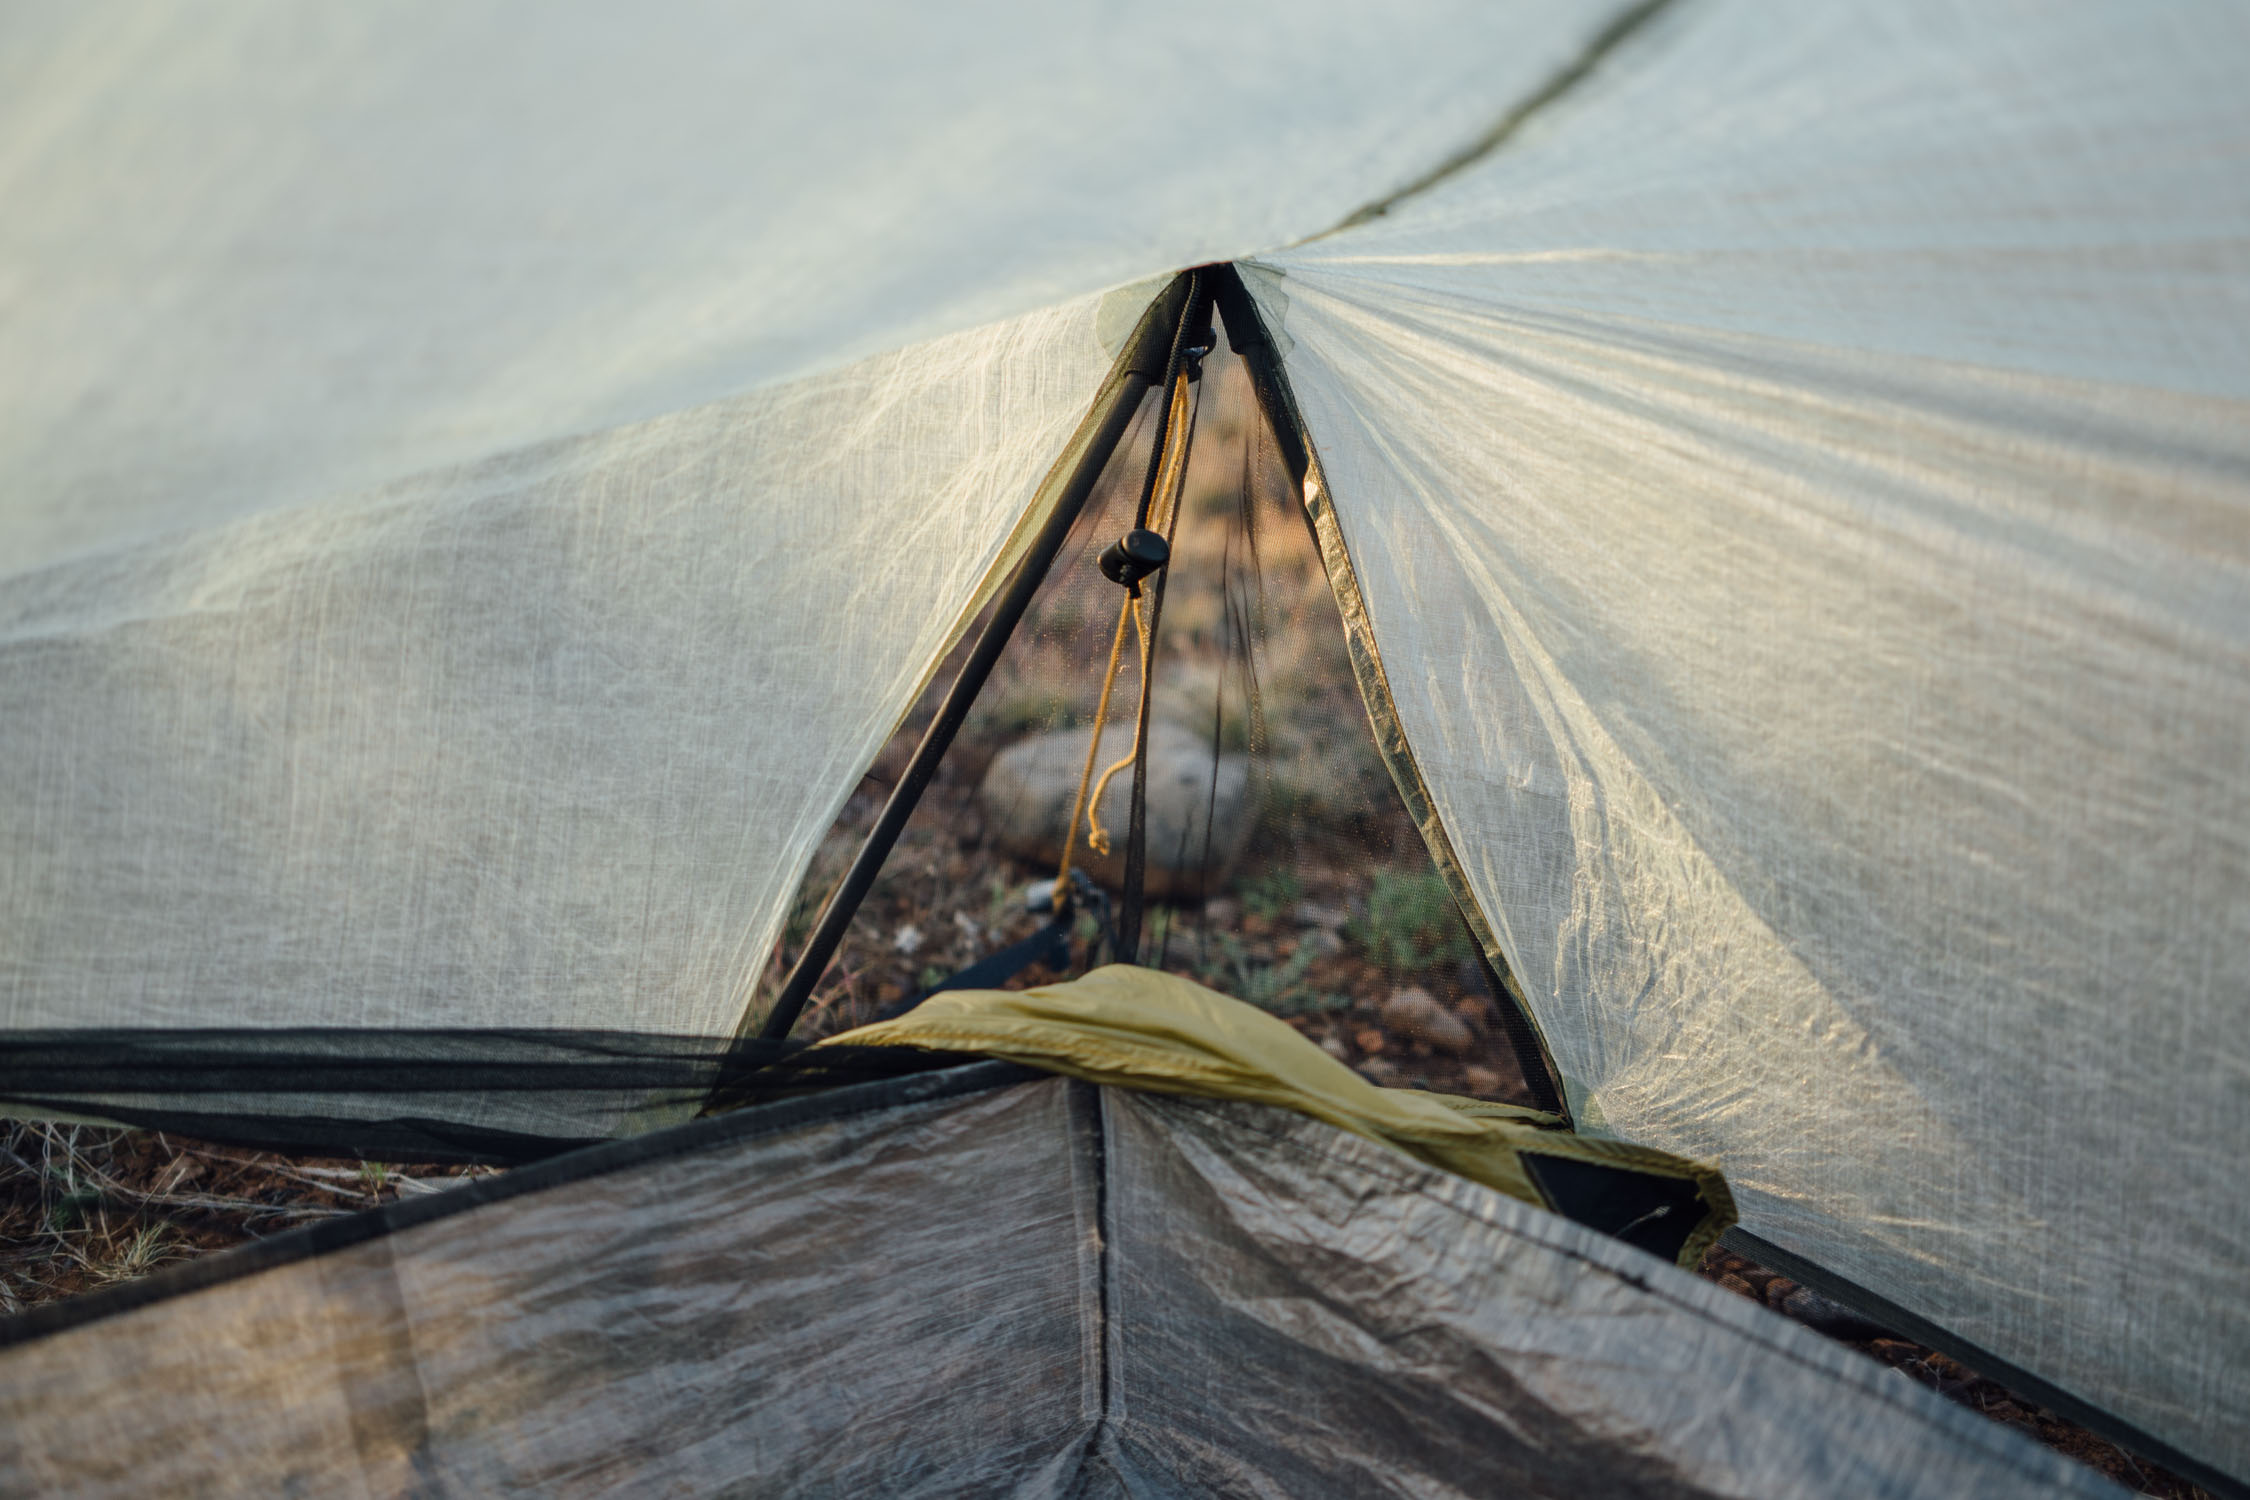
x,y
1164,517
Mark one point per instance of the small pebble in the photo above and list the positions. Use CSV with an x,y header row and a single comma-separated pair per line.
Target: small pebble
x,y
1370,1041
1380,1071
1778,1290
1738,1286
1480,1080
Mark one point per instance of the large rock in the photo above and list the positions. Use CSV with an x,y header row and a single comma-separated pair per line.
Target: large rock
x,y
1415,1013
1027,794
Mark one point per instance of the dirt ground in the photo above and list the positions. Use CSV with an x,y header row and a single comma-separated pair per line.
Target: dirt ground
x,y
1334,912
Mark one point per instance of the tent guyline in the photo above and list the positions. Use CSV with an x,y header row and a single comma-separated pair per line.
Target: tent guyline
x,y
1137,555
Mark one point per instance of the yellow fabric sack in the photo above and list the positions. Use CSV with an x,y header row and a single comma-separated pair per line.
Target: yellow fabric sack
x,y
1142,1029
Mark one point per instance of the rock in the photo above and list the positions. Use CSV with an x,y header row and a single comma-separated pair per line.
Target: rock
x,y
1313,914
1222,911
1735,1284
1778,1290
1481,1081
1029,787
1832,1318
1370,1041
1322,943
1412,1012
1381,1072
1333,1045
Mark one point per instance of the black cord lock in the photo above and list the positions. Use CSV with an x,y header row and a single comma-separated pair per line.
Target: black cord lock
x,y
1198,345
1133,557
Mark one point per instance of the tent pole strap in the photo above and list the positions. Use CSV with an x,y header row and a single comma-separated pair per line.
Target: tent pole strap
x,y
1140,365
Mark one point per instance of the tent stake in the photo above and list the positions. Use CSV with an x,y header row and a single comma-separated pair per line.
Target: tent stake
x,y
1140,365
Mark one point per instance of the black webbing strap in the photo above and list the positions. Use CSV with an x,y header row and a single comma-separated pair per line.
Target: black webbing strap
x,y
1197,306
1523,1042
1050,945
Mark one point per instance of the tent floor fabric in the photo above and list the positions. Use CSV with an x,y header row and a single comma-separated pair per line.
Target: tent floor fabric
x,y
969,1282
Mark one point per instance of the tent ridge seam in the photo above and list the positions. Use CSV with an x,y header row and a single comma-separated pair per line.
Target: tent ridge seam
x,y
1605,42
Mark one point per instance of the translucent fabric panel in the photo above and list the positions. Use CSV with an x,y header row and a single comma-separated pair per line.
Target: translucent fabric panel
x,y
542,741
265,253
899,1302
1801,488
1036,1290
1297,1311
478,484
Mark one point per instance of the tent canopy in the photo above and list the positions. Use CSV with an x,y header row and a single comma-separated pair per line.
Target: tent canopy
x,y
477,488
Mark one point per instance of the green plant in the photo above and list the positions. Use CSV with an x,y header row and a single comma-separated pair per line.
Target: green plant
x,y
76,1202
1156,935
1411,922
1278,988
999,901
149,1248
1021,711
1270,893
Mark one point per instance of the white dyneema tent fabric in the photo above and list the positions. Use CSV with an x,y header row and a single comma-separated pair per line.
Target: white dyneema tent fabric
x,y
477,487
1800,492
481,486
957,1288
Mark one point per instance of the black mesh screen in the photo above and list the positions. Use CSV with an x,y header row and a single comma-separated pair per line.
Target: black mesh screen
x,y
1282,867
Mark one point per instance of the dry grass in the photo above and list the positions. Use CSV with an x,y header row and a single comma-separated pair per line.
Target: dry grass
x,y
82,1206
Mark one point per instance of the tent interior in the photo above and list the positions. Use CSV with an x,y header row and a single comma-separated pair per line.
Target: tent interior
x,y
1116,778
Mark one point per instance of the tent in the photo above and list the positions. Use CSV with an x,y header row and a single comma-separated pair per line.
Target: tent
x,y
480,485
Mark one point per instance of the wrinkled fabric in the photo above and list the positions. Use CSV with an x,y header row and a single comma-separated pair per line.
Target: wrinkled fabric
x,y
1044,1290
1801,489
260,255
478,486
547,740
1148,1030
